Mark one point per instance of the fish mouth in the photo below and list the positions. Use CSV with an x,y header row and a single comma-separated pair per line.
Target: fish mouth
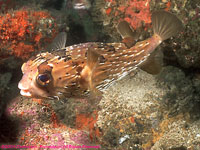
x,y
25,93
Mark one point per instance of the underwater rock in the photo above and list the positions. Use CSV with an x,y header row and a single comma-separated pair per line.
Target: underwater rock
x,y
181,135
186,45
40,127
145,107
4,82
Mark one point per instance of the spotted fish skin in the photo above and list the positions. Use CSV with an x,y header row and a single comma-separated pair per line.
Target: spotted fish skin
x,y
76,70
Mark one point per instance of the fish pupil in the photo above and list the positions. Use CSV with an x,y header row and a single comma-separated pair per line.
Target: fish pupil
x,y
44,77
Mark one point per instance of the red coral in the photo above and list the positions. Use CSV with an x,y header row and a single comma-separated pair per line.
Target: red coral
x,y
21,31
87,122
137,12
168,5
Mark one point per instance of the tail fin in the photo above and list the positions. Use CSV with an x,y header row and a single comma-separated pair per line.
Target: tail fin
x,y
165,24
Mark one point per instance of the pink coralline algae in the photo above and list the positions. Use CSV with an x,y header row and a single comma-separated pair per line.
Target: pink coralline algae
x,y
80,137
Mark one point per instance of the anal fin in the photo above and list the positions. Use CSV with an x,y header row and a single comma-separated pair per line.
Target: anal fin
x,y
154,63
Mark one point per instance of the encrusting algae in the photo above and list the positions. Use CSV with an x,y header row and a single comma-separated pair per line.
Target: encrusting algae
x,y
76,70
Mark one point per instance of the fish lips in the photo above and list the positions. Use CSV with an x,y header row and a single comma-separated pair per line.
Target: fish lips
x,y
24,91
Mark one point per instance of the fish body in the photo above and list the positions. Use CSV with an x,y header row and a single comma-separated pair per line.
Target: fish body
x,y
77,70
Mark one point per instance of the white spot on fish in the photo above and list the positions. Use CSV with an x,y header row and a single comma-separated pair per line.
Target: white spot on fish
x,y
146,56
56,57
141,45
74,67
66,66
122,75
107,80
117,65
129,63
39,61
71,47
56,97
147,43
123,68
118,74
139,52
130,68
59,93
51,65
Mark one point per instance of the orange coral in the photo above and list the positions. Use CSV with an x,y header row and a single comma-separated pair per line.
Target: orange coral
x,y
137,12
20,31
87,122
168,5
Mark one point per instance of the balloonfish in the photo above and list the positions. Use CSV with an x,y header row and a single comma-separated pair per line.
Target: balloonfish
x,y
81,69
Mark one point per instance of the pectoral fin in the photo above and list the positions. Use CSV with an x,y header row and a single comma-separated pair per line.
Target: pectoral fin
x,y
92,63
92,59
59,42
154,63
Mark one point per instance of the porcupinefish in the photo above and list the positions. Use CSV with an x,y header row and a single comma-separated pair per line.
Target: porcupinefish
x,y
77,70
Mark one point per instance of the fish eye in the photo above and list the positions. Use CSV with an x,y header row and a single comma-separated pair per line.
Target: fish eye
x,y
44,79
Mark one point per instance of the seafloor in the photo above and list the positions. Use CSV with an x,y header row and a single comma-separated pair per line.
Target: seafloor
x,y
139,112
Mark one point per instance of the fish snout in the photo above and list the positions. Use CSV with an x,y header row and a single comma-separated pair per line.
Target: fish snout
x,y
24,90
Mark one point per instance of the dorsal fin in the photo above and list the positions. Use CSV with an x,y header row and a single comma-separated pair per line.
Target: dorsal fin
x,y
59,42
154,63
127,33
